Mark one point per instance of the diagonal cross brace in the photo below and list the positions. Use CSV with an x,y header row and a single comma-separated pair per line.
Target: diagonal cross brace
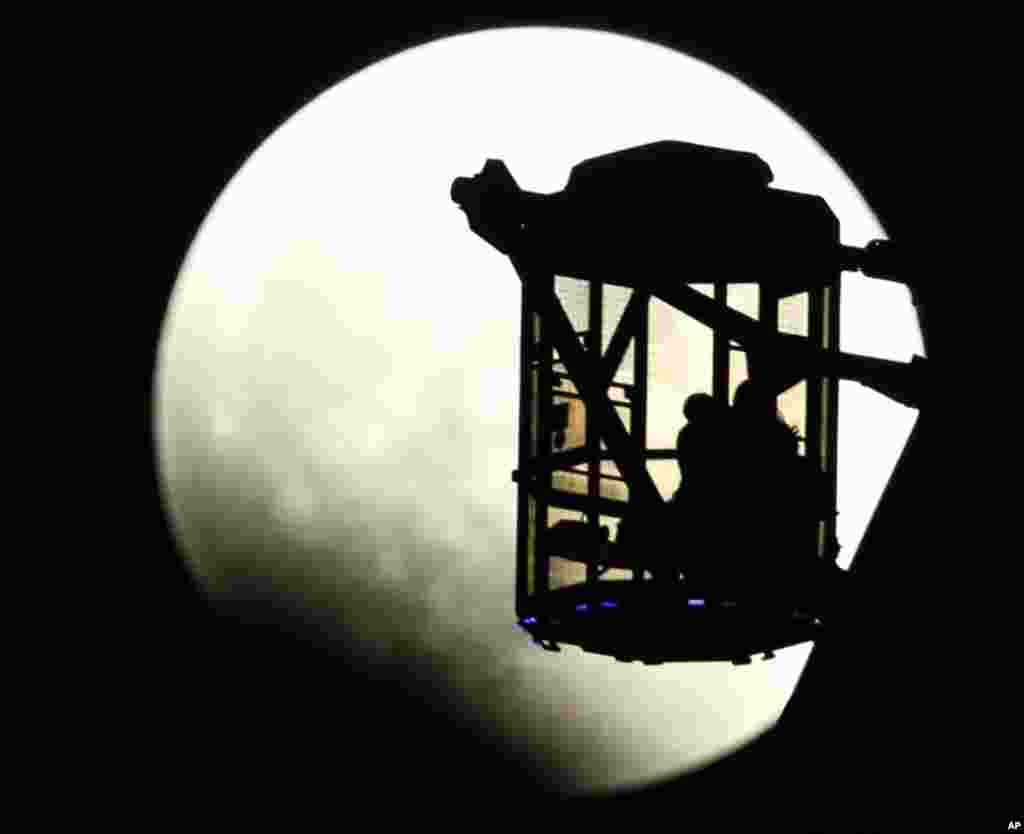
x,y
590,378
795,358
619,342
621,337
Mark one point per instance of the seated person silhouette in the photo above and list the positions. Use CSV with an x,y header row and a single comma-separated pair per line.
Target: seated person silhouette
x,y
763,445
700,444
702,454
770,491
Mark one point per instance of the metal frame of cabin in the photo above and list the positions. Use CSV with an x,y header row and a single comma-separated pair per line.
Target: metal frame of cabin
x,y
737,228
552,352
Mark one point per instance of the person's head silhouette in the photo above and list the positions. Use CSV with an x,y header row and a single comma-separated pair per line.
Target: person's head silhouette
x,y
754,401
698,407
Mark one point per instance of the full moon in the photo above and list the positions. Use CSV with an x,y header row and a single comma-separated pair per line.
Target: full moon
x,y
337,387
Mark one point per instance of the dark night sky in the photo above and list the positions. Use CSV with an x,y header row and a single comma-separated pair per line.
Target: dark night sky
x,y
880,98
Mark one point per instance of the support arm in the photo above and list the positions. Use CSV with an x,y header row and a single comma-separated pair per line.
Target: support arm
x,y
793,358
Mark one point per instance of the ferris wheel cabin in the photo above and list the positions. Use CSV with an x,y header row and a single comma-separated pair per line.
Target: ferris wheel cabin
x,y
660,272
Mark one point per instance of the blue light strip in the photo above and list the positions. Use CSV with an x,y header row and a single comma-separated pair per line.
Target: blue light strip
x,y
695,603
606,604
583,606
529,621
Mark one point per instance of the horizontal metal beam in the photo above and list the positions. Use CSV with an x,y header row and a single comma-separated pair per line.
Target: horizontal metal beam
x,y
573,396
584,503
568,458
793,357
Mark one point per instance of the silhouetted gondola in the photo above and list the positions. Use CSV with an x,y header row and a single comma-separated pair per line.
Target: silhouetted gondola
x,y
681,579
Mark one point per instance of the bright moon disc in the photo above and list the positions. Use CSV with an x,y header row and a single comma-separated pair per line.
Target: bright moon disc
x,y
337,389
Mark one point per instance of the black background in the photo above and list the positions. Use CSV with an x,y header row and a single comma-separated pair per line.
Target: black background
x,y
887,101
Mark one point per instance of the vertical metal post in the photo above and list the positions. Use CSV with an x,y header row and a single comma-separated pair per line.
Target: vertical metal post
x,y
830,440
768,307
823,396
523,522
817,401
544,288
638,413
720,353
595,331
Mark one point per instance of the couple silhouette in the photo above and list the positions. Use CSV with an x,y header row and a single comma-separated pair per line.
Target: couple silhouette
x,y
746,511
